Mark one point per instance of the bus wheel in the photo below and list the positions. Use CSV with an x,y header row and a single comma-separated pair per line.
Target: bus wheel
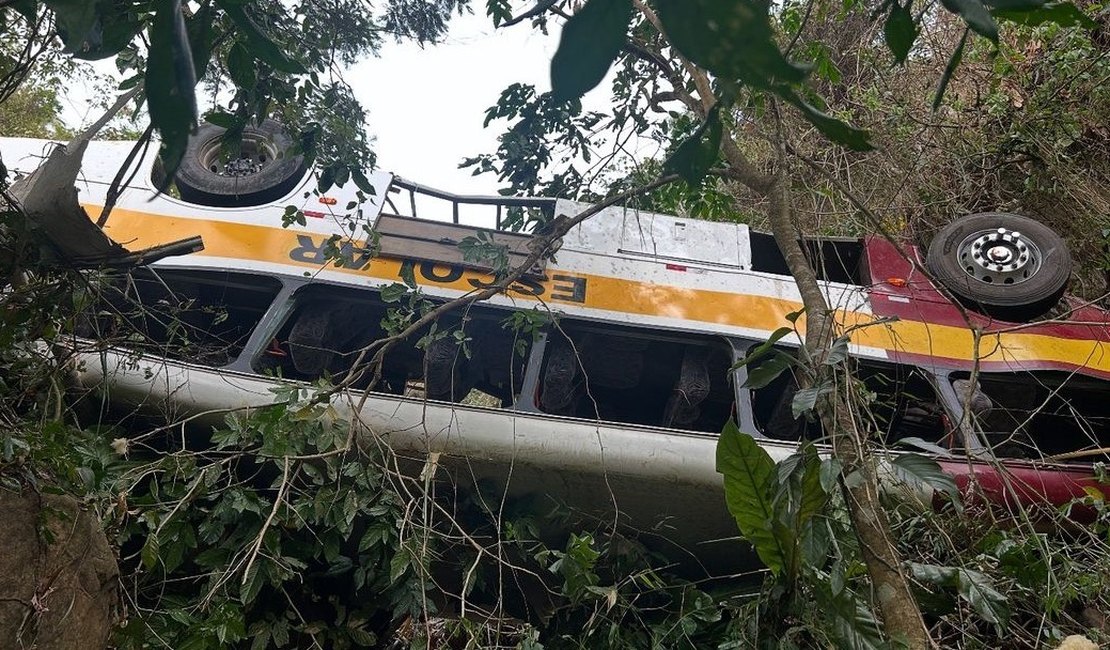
x,y
265,169
1002,264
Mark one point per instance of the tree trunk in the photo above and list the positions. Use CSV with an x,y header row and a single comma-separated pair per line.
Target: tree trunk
x,y
897,605
901,615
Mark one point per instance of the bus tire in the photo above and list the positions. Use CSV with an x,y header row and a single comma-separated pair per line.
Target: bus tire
x,y
265,171
1002,264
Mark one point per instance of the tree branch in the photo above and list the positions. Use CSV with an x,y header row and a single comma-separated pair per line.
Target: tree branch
x,y
541,7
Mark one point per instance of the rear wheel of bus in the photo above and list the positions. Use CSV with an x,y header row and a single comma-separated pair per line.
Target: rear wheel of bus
x,y
1003,264
263,169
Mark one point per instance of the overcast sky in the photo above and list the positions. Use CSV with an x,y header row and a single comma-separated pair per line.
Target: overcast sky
x,y
426,106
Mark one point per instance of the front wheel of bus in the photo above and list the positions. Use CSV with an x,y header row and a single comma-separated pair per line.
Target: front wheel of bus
x,y
263,169
1006,265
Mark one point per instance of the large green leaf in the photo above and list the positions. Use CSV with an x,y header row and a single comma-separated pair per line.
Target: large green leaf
x,y
801,493
805,400
201,38
851,623
976,15
899,31
95,29
591,40
26,8
974,587
949,70
831,127
1064,14
979,592
240,65
749,474
75,21
799,496
170,85
768,370
916,469
733,39
695,156
763,348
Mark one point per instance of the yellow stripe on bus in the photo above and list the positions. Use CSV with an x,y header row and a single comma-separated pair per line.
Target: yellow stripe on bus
x,y
224,239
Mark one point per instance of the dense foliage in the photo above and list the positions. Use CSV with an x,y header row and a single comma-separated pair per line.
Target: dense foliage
x,y
287,527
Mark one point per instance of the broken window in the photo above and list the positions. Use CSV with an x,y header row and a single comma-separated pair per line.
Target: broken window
x,y
835,259
468,357
1038,414
636,376
204,317
902,403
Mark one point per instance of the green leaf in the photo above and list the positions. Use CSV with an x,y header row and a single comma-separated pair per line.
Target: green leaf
x,y
914,442
830,472
838,351
733,39
979,592
75,20
240,65
327,178
149,552
815,543
976,15
763,348
363,183
111,33
769,370
398,565
949,70
361,637
974,587
806,399
899,31
201,38
804,491
261,47
26,8
87,476
393,292
252,582
694,157
832,128
798,497
591,39
749,473
852,624
261,640
170,83
1064,14
915,469
222,119
407,276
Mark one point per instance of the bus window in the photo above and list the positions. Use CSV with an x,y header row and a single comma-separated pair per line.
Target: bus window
x,y
1038,414
636,376
902,403
204,317
330,326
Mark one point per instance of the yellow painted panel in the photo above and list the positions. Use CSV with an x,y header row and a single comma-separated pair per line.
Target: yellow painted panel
x,y
275,245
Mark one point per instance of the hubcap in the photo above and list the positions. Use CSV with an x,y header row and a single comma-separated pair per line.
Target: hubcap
x,y
999,256
255,153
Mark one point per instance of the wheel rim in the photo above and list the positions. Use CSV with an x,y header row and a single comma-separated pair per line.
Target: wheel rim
x,y
255,153
999,256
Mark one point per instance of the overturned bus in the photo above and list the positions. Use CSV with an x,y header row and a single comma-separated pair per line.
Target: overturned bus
x,y
612,398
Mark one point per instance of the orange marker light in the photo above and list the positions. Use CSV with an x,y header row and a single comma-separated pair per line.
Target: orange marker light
x,y
327,200
896,282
